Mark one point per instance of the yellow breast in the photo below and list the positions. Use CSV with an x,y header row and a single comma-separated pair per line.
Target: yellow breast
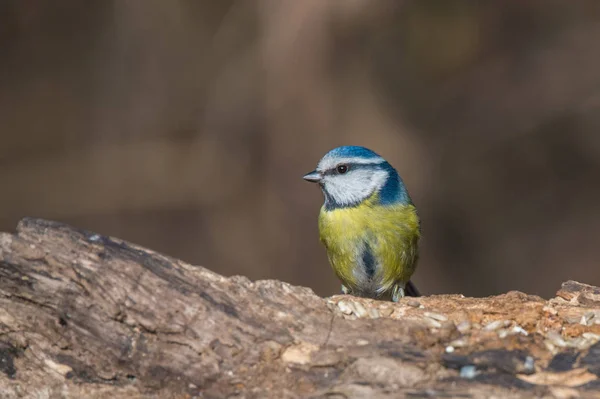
x,y
391,233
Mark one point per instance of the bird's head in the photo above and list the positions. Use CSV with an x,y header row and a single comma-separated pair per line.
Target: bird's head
x,y
349,175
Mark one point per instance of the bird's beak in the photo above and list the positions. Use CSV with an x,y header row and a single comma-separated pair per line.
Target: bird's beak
x,y
313,177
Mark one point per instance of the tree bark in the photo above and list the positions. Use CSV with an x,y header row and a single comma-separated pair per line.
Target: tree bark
x,y
85,315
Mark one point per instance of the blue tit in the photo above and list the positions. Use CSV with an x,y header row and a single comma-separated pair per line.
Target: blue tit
x,y
368,223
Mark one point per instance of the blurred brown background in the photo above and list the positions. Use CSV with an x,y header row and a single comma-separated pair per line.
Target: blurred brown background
x,y
186,126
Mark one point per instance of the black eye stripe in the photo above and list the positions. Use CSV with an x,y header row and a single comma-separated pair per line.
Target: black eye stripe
x,y
353,166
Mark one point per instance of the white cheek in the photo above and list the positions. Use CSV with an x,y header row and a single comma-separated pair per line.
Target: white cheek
x,y
355,186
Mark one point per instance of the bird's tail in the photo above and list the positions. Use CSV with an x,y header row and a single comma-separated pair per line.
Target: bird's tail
x,y
411,290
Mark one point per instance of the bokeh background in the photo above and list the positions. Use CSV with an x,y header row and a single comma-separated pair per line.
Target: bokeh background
x,y
186,126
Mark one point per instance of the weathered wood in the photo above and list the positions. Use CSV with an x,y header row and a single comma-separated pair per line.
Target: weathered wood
x,y
84,315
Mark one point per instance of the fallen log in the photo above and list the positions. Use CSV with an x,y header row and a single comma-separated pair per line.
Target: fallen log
x,y
85,315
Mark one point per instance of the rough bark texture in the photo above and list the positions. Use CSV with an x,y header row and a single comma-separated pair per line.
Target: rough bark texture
x,y
84,315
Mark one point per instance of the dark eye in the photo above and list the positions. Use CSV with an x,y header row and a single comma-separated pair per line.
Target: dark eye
x,y
341,169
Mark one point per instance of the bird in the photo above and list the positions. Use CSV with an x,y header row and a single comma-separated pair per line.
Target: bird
x,y
368,223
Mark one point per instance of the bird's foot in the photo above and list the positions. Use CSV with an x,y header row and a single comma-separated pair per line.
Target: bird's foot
x,y
398,291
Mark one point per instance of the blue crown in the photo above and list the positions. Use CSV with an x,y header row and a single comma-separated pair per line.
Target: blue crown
x,y
353,151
